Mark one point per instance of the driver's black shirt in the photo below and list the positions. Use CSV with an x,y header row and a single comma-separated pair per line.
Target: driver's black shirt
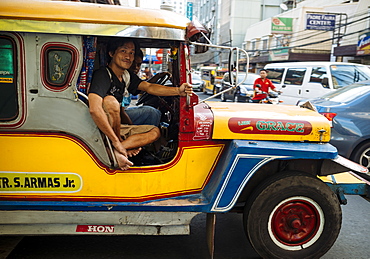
x,y
102,85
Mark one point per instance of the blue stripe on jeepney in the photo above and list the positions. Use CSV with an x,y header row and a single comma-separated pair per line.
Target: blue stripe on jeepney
x,y
245,157
241,162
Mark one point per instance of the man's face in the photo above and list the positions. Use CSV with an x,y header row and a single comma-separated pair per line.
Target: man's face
x,y
263,74
136,65
123,56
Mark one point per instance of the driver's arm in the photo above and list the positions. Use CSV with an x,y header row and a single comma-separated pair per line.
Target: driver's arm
x,y
161,90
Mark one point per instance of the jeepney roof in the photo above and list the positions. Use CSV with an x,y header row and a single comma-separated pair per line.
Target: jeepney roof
x,y
81,18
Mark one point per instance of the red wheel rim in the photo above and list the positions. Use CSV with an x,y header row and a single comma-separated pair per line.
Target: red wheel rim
x,y
295,222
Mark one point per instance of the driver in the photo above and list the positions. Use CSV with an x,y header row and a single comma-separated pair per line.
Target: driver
x,y
144,114
106,94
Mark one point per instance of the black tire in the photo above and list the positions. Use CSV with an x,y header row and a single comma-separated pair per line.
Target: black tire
x,y
362,155
223,97
292,215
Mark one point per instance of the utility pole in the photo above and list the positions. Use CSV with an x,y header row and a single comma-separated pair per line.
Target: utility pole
x,y
137,3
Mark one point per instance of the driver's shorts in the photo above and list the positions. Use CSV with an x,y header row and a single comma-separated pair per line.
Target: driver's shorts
x,y
128,130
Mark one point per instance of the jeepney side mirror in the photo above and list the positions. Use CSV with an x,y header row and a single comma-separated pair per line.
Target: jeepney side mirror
x,y
231,66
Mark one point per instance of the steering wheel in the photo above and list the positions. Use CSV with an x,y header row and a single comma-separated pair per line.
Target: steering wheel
x,y
145,97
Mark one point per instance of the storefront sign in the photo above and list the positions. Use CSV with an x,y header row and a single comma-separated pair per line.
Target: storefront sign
x,y
189,10
281,25
323,22
280,54
363,45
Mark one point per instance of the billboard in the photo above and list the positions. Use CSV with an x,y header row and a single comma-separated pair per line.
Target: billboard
x,y
323,22
363,45
281,25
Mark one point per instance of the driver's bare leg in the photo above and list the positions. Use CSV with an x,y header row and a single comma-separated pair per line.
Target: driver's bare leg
x,y
113,109
135,141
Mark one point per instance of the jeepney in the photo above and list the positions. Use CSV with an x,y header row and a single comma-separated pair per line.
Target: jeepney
x,y
58,173
212,77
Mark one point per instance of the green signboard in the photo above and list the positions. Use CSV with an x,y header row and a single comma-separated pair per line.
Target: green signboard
x,y
279,54
281,25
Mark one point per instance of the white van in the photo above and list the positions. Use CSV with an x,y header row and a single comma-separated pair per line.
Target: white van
x,y
304,80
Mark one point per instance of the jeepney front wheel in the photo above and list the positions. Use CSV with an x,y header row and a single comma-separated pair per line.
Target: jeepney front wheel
x,y
292,215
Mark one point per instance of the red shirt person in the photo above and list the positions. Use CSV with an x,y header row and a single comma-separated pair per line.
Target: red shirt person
x,y
262,84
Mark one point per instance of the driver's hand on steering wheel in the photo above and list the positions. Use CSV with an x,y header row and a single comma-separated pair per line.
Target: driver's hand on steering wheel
x,y
165,73
157,76
186,88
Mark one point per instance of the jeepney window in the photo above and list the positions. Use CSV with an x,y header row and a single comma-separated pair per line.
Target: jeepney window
x,y
275,75
58,65
8,87
294,76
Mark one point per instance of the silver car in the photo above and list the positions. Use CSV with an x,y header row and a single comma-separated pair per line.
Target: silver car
x,y
197,82
243,92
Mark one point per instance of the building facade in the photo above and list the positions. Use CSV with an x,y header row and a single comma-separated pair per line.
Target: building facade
x,y
318,31
228,20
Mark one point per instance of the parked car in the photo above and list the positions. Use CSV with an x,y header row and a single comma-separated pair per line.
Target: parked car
x,y
308,80
197,82
241,93
348,109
